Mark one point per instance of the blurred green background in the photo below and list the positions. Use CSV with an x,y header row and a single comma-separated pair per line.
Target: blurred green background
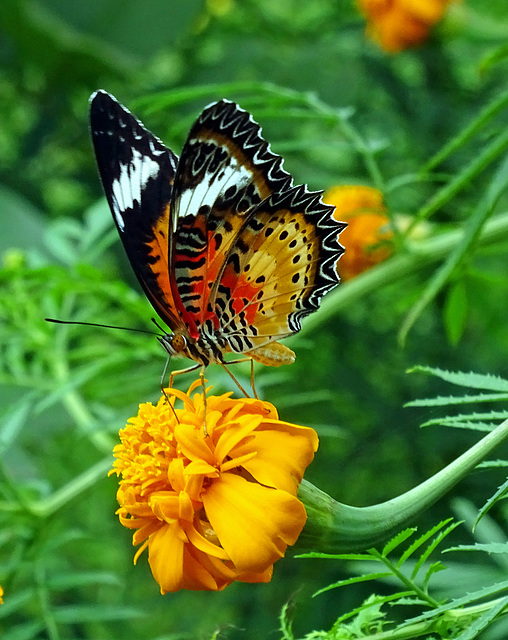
x,y
67,390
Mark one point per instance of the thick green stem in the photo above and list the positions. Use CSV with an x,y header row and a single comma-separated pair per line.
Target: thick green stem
x,y
333,527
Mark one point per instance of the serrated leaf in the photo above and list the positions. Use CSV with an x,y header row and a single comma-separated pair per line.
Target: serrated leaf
x,y
421,540
499,495
435,567
456,603
436,542
483,621
394,542
481,427
356,579
467,417
441,401
492,464
473,380
489,547
373,601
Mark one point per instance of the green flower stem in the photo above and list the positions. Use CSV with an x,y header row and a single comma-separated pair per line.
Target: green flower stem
x,y
333,527
421,254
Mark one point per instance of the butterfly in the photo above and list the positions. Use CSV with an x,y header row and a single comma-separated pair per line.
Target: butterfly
x,y
229,252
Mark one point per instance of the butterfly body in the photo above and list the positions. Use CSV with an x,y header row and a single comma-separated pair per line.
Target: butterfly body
x,y
230,253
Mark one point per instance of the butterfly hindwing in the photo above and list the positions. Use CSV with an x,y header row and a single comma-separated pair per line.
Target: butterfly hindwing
x,y
137,173
280,265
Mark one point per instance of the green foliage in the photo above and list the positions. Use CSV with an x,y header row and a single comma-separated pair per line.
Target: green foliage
x,y
428,128
462,618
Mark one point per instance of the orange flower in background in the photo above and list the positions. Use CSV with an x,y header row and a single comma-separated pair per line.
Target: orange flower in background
x,y
1,595
363,210
211,508
398,24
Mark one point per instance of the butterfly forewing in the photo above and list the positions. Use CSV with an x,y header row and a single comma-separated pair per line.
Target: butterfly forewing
x,y
225,170
137,173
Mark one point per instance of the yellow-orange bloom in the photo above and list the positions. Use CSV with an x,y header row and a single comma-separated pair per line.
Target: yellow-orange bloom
x,y
1,595
399,24
211,508
363,209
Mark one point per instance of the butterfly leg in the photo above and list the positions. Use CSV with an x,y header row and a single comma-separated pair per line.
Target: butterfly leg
x,y
179,372
171,378
203,384
223,365
253,386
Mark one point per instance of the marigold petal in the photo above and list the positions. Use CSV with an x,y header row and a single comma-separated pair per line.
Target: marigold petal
x,y
165,556
193,443
262,576
255,524
244,426
284,452
204,545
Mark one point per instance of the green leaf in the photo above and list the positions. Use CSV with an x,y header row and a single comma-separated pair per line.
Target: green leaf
x,y
455,312
491,547
456,603
441,401
419,542
93,613
397,540
474,421
483,621
356,579
435,543
286,623
498,495
474,380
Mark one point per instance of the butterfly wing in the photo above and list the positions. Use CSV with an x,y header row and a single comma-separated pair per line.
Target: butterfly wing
x,y
137,173
225,170
279,266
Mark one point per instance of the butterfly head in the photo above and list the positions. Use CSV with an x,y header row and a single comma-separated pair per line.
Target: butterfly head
x,y
174,343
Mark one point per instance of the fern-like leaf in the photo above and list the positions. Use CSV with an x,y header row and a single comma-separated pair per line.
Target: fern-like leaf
x,y
483,621
364,578
432,546
394,542
442,401
485,592
472,380
499,495
421,540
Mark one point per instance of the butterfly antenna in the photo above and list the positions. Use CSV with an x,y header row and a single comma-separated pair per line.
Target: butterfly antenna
x,y
104,326
164,331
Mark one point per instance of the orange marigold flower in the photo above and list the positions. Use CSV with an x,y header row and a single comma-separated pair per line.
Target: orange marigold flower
x,y
363,209
398,24
211,508
1,595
